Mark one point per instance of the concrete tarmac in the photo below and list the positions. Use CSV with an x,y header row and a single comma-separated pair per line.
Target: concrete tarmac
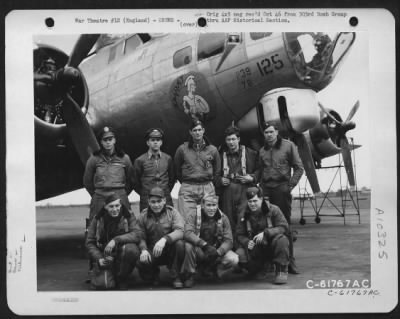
x,y
328,251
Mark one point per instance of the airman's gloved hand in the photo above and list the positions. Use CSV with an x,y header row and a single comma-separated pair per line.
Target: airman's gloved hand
x,y
211,253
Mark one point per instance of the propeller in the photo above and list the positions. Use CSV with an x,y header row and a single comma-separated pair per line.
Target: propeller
x,y
328,113
353,111
59,87
79,129
337,130
81,133
308,162
81,49
348,163
304,152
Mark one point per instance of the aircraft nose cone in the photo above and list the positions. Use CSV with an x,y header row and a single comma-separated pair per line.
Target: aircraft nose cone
x,y
70,75
348,126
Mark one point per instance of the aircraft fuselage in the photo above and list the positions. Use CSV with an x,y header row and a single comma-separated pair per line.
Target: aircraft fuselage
x,y
144,89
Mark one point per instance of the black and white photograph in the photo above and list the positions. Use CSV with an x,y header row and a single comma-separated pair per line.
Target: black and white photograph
x,y
215,164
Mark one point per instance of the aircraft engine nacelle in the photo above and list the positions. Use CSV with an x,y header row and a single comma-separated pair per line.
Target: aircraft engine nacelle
x,y
51,80
290,109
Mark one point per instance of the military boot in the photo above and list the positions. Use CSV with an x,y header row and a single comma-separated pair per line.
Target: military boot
x,y
281,274
292,267
177,283
189,281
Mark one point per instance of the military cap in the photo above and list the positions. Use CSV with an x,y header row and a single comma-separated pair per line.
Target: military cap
x,y
110,198
157,191
254,191
154,133
196,123
106,131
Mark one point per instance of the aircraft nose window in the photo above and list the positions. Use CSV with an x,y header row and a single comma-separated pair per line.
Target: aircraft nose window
x,y
316,55
234,38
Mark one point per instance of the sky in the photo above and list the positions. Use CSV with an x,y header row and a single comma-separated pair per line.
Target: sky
x,y
350,85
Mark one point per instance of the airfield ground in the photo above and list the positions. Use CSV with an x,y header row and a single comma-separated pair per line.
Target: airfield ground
x,y
330,250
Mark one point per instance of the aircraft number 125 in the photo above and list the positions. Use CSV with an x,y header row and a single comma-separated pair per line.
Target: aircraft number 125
x,y
268,65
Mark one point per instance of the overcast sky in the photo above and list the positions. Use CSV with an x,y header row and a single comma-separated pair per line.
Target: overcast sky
x,y
350,85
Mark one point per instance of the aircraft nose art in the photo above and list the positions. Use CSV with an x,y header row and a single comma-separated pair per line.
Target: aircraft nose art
x,y
192,95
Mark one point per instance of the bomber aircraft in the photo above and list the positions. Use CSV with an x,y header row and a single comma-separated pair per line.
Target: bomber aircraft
x,y
137,81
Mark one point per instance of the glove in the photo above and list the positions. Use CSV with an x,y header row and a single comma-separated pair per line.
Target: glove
x,y
267,234
211,253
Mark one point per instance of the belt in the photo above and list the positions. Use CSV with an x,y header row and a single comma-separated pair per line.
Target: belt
x,y
196,183
109,189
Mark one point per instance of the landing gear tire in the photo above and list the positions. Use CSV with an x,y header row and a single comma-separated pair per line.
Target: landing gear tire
x,y
317,220
302,221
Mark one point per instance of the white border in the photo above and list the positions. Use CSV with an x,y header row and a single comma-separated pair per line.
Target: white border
x,y
22,294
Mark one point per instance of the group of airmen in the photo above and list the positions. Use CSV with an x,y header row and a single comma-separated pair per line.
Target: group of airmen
x,y
233,214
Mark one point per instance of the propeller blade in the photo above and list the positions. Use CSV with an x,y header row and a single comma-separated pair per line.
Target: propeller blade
x,y
348,163
327,147
308,161
79,129
354,146
81,49
328,114
353,111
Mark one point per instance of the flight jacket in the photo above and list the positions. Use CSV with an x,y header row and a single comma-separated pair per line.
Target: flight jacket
x,y
197,166
97,238
275,163
167,224
148,173
103,172
209,231
269,220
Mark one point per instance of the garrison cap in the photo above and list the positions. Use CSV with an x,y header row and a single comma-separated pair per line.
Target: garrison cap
x,y
154,133
110,198
157,191
210,198
253,191
196,123
106,131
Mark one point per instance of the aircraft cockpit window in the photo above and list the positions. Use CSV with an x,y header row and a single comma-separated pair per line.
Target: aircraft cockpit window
x,y
259,35
182,57
210,44
316,55
132,43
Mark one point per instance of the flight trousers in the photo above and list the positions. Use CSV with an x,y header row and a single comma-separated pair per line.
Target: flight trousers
x,y
190,195
194,257
281,197
125,259
276,251
233,201
172,256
